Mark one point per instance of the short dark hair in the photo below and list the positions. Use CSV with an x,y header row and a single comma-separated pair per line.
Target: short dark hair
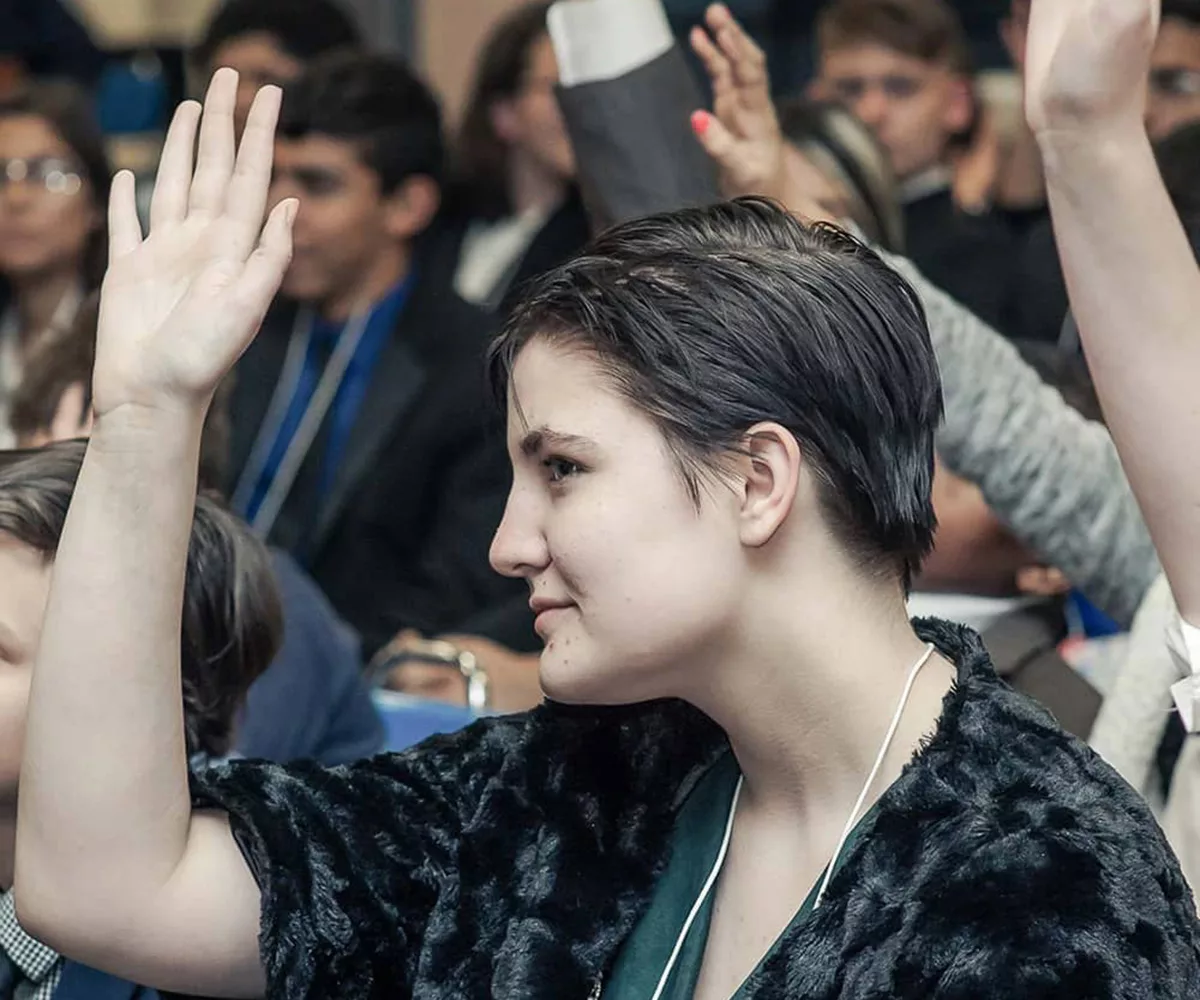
x,y
929,30
66,358
711,320
1182,10
70,113
304,29
232,619
481,158
376,102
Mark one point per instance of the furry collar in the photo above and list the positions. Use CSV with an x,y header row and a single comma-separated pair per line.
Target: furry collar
x,y
512,860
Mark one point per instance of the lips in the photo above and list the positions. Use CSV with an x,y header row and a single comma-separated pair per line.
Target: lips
x,y
549,613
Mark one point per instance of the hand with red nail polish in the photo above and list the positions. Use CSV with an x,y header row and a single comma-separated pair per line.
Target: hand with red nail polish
x,y
742,133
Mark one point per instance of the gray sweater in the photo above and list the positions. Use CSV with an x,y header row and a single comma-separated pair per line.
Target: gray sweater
x,y
1053,476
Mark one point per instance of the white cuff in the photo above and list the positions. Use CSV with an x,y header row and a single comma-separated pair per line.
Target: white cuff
x,y
597,40
1183,640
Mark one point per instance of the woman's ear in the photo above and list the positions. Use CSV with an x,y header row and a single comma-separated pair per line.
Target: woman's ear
x,y
770,474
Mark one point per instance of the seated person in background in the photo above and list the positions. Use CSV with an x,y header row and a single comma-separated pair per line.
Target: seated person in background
x,y
312,702
903,68
512,208
230,630
362,439
54,181
269,41
834,157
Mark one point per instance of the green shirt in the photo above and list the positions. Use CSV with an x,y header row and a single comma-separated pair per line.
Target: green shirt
x,y
699,831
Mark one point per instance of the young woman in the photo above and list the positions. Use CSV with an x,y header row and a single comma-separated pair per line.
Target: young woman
x,y
756,778
54,180
513,211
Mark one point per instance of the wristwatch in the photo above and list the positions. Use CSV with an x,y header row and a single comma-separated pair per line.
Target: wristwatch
x,y
441,652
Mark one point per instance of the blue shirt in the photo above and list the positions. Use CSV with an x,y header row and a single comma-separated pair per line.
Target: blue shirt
x,y
346,404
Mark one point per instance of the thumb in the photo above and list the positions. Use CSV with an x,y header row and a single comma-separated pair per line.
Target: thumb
x,y
716,139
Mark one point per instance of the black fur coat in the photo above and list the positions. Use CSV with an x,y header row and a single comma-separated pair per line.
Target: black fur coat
x,y
512,859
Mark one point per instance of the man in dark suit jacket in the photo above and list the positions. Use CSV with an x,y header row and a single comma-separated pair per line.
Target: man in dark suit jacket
x,y
363,441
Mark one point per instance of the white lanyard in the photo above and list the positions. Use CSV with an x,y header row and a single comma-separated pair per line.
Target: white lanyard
x,y
862,798
310,421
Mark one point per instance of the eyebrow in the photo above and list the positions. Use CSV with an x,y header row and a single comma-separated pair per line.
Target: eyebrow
x,y
543,438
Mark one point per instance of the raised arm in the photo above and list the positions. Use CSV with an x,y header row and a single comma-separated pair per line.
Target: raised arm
x,y
112,867
1130,271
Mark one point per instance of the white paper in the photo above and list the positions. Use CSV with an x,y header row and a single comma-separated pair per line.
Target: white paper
x,y
598,40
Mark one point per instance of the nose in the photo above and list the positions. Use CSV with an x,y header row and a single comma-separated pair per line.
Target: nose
x,y
519,547
871,108
17,193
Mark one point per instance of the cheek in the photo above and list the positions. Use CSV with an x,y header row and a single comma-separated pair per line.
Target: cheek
x,y
349,227
641,569
14,702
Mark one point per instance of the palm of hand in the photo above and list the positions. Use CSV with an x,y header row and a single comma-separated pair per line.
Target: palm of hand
x,y
160,319
179,307
757,156
1086,61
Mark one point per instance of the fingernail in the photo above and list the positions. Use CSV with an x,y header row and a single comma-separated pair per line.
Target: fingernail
x,y
291,210
700,122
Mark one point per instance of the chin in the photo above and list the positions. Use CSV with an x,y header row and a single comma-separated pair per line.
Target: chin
x,y
571,677
302,287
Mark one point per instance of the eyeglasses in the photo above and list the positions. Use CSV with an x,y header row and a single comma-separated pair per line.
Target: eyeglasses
x,y
55,174
1176,82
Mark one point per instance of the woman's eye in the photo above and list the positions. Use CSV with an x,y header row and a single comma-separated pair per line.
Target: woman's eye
x,y
558,469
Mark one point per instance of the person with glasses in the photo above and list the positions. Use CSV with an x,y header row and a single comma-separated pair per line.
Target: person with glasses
x,y
1173,94
54,180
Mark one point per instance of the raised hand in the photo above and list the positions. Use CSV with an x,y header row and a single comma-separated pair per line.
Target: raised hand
x,y
1086,63
178,307
742,134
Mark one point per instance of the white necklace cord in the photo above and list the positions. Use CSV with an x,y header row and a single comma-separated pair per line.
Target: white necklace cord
x,y
696,906
862,796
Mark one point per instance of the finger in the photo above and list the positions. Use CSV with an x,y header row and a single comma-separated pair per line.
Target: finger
x,y
214,160
746,59
716,139
720,73
124,228
174,180
247,197
264,270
